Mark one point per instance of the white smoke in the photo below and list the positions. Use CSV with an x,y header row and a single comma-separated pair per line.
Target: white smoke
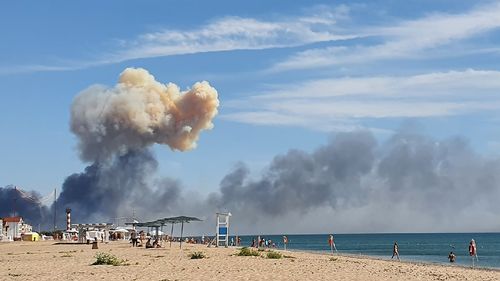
x,y
138,112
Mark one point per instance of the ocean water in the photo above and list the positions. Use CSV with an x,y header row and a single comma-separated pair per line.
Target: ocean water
x,y
422,247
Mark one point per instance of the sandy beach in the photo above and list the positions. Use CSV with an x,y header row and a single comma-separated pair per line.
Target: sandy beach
x,y
46,261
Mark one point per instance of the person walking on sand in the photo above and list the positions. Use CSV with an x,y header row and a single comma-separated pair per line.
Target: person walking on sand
x,y
395,251
331,242
133,237
473,251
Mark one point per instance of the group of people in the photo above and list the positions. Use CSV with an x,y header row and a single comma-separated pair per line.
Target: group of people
x,y
268,243
137,240
472,253
235,242
451,256
263,243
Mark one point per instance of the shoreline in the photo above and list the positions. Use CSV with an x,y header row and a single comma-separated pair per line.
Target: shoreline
x,y
47,261
379,258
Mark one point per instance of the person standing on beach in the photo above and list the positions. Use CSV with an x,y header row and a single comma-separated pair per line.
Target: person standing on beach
x,y
133,237
331,242
473,251
395,250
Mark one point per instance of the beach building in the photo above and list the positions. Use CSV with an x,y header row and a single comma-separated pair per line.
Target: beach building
x,y
14,227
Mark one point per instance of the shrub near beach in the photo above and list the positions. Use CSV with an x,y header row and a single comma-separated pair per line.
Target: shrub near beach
x,y
197,255
247,252
274,255
108,259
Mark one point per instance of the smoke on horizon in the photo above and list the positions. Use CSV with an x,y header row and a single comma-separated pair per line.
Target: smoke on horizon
x,y
15,201
351,184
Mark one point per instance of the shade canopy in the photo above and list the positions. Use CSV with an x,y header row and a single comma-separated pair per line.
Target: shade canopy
x,y
172,220
148,224
179,219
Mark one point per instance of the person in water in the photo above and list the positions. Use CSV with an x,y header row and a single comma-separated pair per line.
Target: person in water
x,y
395,251
473,251
452,257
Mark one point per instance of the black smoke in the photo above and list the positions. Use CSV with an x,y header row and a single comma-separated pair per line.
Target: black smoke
x,y
408,183
353,183
15,201
298,180
118,188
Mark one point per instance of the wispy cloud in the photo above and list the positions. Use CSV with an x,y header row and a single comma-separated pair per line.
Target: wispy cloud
x,y
224,34
408,39
332,104
236,33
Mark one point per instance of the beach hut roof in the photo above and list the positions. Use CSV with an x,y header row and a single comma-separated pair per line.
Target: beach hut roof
x,y
12,219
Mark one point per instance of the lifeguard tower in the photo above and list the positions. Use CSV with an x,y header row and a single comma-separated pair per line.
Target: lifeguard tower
x,y
222,232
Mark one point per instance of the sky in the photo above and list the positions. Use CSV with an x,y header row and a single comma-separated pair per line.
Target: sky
x,y
290,75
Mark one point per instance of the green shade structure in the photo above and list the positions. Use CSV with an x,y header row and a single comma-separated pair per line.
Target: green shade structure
x,y
181,220
172,220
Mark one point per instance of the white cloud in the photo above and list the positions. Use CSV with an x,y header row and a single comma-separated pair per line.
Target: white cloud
x,y
224,34
235,33
451,83
332,104
408,39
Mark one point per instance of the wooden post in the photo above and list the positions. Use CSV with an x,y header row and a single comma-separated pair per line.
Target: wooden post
x,y
171,233
182,229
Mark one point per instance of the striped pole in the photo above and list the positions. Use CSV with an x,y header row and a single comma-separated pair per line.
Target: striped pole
x,y
68,219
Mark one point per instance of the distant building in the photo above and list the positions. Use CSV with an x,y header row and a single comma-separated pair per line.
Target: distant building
x,y
14,227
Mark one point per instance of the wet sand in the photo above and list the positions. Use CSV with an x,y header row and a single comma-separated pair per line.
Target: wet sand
x,y
46,261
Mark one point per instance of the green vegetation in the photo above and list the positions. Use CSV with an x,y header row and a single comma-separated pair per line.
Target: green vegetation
x,y
197,255
247,252
274,255
108,259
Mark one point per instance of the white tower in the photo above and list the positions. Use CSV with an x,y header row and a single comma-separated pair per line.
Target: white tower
x,y
222,231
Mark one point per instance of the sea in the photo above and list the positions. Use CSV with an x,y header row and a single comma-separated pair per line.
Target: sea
x,y
419,247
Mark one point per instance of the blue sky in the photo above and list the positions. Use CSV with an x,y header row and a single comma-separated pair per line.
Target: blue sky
x,y
290,74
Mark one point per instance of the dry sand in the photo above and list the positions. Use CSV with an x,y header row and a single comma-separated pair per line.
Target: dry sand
x,y
46,261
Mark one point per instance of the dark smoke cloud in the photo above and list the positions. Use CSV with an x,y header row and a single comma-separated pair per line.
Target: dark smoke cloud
x,y
300,181
351,184
409,183
25,204
115,126
113,189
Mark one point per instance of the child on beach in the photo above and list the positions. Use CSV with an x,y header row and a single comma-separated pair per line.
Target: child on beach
x,y
395,251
